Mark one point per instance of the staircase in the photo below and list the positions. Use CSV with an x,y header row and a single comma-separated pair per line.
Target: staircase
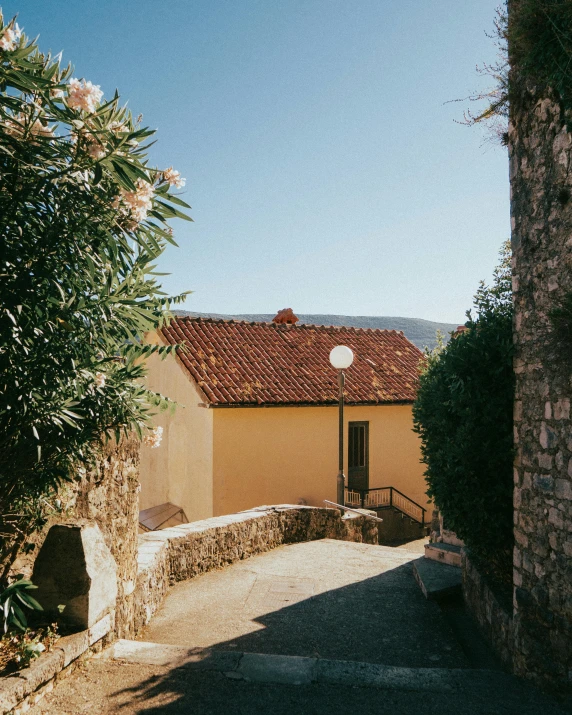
x,y
385,498
438,573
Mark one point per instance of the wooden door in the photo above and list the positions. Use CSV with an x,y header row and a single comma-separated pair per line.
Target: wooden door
x,y
358,455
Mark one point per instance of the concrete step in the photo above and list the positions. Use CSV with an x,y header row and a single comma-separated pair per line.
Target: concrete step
x,y
449,537
436,580
298,670
444,553
216,682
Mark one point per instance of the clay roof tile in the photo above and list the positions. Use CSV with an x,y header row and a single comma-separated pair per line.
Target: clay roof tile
x,y
242,363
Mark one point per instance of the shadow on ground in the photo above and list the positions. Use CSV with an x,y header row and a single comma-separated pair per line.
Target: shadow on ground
x,y
381,619
384,619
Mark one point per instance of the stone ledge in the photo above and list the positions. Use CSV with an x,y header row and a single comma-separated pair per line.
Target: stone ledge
x,y
19,690
436,580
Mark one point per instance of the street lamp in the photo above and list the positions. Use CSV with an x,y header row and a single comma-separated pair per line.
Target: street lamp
x,y
341,357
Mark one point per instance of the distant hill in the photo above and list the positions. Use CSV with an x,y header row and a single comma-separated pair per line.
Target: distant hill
x,y
421,332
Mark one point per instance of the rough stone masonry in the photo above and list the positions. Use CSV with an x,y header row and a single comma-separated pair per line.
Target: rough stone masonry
x,y
540,151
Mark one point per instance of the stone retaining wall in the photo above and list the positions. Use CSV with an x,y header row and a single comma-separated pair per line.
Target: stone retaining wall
x,y
494,618
540,148
182,552
108,495
165,557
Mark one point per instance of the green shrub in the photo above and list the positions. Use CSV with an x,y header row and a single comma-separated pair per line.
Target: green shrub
x,y
13,600
463,414
83,220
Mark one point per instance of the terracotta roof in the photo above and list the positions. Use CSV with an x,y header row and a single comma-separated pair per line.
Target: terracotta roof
x,y
241,363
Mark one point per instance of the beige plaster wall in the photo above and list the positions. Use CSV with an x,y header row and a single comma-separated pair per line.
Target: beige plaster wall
x,y
180,470
278,455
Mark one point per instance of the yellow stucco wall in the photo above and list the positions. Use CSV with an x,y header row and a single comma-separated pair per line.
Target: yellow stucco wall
x,y
279,455
180,470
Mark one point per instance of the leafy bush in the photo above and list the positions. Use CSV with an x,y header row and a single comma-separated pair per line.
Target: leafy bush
x,y
13,599
463,414
539,34
83,219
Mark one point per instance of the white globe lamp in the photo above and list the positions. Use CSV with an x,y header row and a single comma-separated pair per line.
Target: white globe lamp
x,y
341,357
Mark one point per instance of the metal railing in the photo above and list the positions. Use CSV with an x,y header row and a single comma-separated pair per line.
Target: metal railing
x,y
385,498
355,511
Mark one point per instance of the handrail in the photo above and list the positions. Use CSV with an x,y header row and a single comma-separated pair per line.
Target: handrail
x,y
355,511
403,495
383,498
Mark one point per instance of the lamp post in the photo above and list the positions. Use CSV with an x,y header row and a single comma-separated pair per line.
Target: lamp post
x,y
341,357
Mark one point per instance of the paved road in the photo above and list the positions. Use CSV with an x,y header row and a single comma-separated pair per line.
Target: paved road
x,y
105,688
325,600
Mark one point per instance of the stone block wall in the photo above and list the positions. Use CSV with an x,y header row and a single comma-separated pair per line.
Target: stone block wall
x,y
109,495
540,151
182,552
493,615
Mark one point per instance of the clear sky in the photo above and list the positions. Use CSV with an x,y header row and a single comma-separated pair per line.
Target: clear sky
x,y
323,165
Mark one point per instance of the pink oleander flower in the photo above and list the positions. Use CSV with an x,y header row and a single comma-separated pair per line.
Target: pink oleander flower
x,y
10,38
13,127
17,127
139,202
83,95
117,127
94,148
173,177
42,130
99,379
153,439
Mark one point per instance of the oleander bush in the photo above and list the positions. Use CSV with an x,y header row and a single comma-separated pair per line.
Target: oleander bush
x,y
83,220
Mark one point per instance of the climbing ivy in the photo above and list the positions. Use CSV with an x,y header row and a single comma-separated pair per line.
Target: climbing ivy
x,y
539,37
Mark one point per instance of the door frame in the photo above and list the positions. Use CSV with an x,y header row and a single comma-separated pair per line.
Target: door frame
x,y
365,424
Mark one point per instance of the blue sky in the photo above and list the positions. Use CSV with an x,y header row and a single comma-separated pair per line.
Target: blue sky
x,y
323,164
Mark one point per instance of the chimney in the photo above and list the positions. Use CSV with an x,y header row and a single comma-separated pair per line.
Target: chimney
x,y
285,317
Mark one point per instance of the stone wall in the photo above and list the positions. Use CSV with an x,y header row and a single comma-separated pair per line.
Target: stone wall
x,y
541,208
182,552
493,615
108,495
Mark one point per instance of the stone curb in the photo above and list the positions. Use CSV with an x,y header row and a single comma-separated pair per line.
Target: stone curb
x,y
17,689
297,670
